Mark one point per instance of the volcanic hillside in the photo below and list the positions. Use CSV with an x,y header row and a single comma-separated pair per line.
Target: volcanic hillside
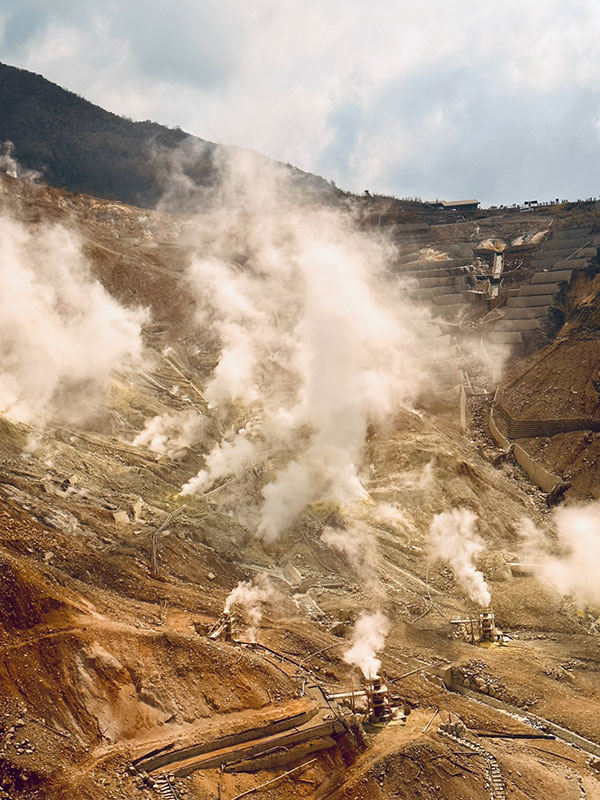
x,y
248,465
105,655
80,146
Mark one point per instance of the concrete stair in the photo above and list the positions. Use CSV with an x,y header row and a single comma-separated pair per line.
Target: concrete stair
x,y
441,284
495,781
165,787
555,263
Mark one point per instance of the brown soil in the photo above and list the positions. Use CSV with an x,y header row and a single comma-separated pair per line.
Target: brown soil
x,y
558,385
101,662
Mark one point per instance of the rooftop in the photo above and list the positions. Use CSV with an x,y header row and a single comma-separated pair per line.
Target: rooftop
x,y
454,203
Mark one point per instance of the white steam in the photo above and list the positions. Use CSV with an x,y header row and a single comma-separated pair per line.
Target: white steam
x,y
228,457
351,541
452,539
61,332
309,333
368,639
247,599
390,514
171,434
358,543
10,166
575,570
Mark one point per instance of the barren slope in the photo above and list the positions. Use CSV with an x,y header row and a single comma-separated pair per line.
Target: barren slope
x,y
103,662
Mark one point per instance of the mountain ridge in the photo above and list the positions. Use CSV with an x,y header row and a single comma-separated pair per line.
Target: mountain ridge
x,y
80,146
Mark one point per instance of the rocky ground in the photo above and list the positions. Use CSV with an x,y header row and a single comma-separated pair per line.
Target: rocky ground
x,y
104,653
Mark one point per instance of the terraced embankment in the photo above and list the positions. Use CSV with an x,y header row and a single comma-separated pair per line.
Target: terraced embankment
x,y
268,746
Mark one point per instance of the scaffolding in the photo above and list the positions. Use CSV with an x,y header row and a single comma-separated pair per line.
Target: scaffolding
x,y
477,630
379,701
223,627
380,705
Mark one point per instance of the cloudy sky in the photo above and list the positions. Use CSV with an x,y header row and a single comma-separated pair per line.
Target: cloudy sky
x,y
494,99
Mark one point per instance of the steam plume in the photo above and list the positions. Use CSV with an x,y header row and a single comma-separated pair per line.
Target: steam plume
x,y
10,166
309,333
453,539
358,543
61,333
574,571
247,598
350,540
171,434
368,638
228,457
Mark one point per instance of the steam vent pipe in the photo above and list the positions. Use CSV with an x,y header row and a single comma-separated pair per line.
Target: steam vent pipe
x,y
378,700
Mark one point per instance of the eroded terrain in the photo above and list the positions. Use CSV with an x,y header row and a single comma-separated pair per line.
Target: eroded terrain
x,y
104,623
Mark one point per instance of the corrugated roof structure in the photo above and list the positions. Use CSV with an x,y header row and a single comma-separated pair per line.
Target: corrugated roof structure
x,y
455,203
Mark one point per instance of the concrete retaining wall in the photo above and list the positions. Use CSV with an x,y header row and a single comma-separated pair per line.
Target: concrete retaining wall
x,y
167,757
576,250
569,233
546,480
449,272
539,288
532,428
446,263
526,313
530,301
282,757
462,409
499,437
557,275
575,263
321,732
517,325
561,733
505,337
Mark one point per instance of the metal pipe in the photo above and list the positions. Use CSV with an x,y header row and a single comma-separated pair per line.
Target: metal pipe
x,y
437,711
155,568
406,674
273,780
322,650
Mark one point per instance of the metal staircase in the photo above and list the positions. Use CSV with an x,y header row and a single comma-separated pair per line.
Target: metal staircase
x,y
166,788
495,780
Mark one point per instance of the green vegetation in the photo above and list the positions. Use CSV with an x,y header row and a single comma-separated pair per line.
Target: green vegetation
x,y
79,146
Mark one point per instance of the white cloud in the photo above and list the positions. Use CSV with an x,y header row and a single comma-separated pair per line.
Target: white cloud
x,y
424,78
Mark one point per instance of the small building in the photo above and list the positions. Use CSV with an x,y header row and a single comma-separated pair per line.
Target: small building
x,y
455,205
